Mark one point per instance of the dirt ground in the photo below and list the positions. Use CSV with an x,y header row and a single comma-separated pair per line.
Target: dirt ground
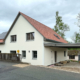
x,y
72,67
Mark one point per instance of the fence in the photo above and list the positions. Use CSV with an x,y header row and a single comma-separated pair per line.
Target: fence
x,y
10,57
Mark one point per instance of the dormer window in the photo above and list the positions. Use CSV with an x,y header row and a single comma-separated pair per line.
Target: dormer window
x,y
56,36
30,36
13,38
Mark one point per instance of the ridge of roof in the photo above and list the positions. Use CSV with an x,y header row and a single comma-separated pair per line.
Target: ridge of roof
x,y
46,31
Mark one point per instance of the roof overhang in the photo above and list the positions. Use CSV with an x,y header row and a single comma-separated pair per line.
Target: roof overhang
x,y
2,43
63,45
49,40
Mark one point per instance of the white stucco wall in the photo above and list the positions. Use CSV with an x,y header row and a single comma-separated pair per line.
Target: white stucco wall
x,y
21,27
49,55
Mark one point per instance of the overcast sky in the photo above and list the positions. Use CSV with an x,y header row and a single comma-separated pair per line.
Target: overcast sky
x,y
42,11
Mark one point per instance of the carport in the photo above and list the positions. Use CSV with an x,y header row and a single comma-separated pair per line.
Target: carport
x,y
64,45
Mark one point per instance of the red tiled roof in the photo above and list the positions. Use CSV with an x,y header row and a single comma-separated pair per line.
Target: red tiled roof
x,y
47,32
1,40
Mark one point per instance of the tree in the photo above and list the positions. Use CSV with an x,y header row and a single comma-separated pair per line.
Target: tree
x,y
60,27
76,37
78,22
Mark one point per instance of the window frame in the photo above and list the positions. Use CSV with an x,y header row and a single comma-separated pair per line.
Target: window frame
x,y
15,38
13,51
22,53
30,36
33,55
64,53
56,36
71,56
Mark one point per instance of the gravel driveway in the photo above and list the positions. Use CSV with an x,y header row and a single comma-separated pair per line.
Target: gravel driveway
x,y
73,65
10,72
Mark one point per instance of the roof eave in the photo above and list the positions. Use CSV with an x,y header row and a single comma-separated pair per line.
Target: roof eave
x,y
61,45
51,40
2,43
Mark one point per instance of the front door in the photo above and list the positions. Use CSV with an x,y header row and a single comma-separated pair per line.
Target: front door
x,y
52,58
55,56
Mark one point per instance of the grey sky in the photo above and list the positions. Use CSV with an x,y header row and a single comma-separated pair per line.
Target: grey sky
x,y
41,10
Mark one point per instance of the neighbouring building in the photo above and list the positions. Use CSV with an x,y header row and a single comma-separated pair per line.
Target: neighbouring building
x,y
73,54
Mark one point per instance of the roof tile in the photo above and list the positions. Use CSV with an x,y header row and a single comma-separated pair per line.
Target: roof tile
x,y
1,40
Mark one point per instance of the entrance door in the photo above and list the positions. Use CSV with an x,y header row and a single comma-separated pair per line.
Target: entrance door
x,y
55,56
52,58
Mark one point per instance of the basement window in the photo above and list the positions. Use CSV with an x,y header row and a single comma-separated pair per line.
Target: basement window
x,y
56,36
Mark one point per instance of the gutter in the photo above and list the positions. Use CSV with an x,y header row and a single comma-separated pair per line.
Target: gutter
x,y
52,40
63,45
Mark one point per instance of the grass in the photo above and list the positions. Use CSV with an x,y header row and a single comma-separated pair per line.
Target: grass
x,y
74,61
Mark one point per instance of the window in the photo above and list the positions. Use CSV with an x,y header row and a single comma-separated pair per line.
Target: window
x,y
71,56
13,52
30,36
13,38
56,36
34,54
0,51
64,53
23,54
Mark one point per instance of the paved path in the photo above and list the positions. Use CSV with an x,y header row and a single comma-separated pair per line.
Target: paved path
x,y
10,72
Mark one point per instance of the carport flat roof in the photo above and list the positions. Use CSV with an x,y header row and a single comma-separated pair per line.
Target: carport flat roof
x,y
63,45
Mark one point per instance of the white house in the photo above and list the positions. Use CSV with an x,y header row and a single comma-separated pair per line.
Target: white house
x,y
37,43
